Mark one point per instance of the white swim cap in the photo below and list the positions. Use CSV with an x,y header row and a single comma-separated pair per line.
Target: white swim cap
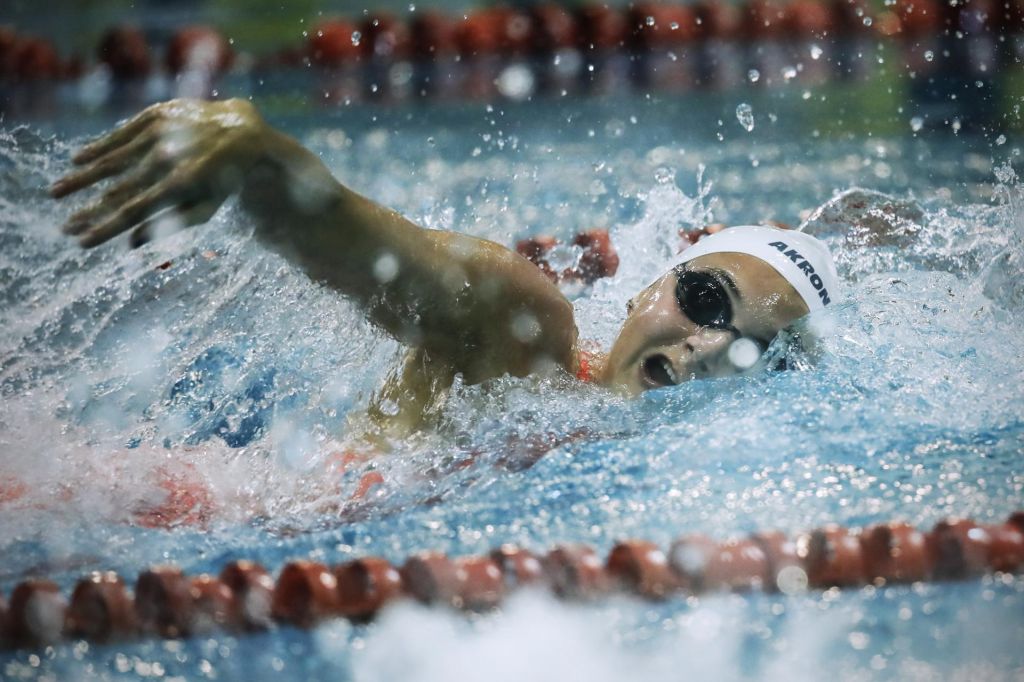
x,y
804,261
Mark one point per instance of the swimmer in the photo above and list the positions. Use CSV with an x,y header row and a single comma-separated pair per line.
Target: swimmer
x,y
462,305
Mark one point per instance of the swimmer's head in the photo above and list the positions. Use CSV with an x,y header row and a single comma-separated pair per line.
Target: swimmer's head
x,y
716,312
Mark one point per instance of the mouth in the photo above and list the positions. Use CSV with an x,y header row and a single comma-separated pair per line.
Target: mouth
x,y
657,371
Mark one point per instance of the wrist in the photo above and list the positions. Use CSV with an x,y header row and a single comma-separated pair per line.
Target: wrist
x,y
285,176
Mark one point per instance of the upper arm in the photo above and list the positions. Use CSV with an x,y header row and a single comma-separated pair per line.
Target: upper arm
x,y
511,318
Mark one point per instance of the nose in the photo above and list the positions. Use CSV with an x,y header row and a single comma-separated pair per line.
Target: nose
x,y
708,350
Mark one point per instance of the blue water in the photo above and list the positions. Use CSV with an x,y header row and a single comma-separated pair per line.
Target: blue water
x,y
231,362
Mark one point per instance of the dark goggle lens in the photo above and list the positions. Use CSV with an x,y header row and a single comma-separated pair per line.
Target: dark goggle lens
x,y
703,299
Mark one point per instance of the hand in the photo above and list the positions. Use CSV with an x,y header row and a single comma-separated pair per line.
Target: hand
x,y
180,159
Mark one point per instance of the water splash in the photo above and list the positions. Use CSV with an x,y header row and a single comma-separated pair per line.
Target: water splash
x,y
202,359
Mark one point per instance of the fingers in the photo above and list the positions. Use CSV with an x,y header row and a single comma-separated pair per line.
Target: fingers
x,y
113,198
115,162
162,195
118,137
185,215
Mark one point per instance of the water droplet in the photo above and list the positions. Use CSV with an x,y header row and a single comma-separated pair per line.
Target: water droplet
x,y
929,56
859,640
816,52
1001,140
916,123
516,82
356,37
745,115
663,175
650,21
753,75
743,353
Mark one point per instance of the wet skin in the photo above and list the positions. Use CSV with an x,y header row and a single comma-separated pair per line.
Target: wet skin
x,y
659,345
461,304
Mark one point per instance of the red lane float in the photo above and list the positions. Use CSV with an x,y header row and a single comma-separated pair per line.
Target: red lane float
x,y
655,26
306,593
365,586
597,257
602,28
125,52
554,29
575,571
385,37
894,553
253,591
199,49
519,567
785,571
958,549
101,609
643,568
433,35
474,583
213,605
832,557
244,597
163,602
38,60
332,43
36,614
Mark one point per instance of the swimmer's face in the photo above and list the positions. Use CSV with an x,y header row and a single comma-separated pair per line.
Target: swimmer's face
x,y
660,345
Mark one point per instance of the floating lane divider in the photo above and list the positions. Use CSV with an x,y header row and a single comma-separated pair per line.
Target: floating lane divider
x,y
557,34
244,596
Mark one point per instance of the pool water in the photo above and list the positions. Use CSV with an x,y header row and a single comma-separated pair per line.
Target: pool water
x,y
201,354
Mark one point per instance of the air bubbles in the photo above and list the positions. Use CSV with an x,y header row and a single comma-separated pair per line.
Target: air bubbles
x,y
744,353
385,268
516,82
745,115
792,580
859,640
525,327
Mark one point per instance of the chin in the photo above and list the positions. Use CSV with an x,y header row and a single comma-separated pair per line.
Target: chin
x,y
625,382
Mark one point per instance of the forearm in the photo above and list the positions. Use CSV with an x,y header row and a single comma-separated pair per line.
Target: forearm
x,y
467,301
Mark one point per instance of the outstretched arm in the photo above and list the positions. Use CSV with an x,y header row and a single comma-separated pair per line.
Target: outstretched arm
x,y
468,302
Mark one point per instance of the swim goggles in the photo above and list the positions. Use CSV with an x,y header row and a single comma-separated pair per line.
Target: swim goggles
x,y
703,298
